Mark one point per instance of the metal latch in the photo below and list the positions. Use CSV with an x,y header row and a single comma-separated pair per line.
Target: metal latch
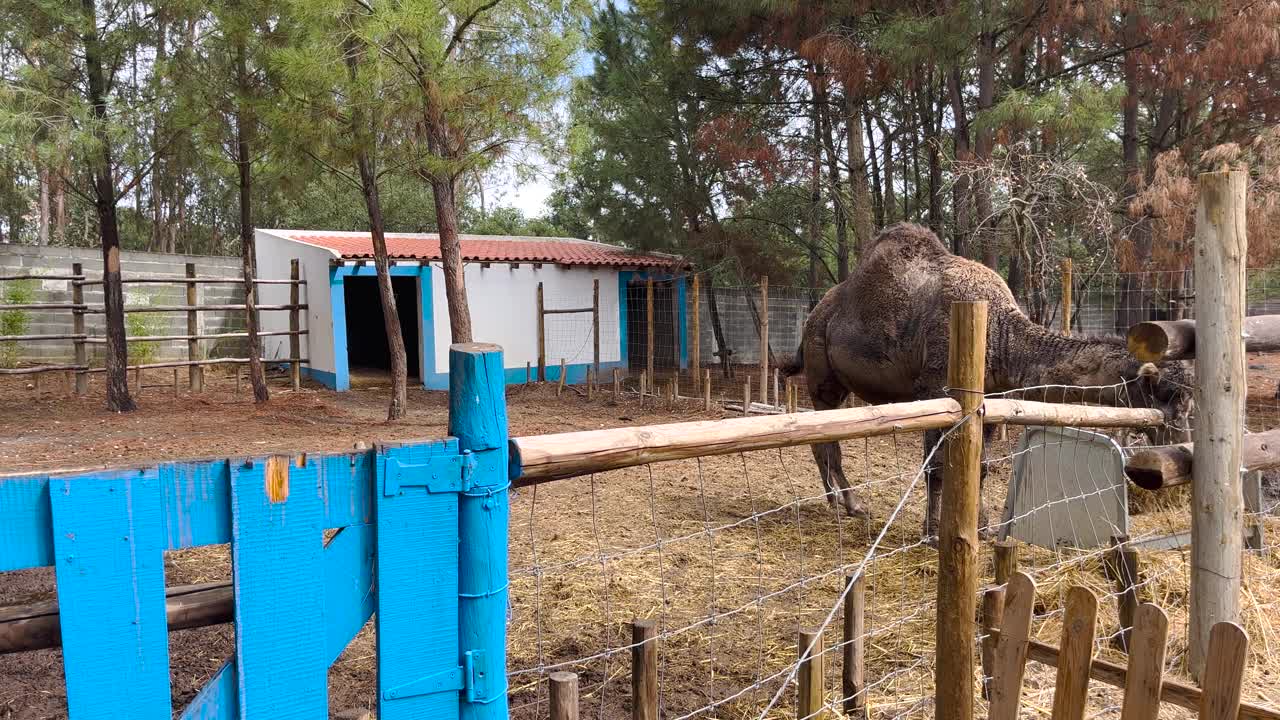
x,y
446,473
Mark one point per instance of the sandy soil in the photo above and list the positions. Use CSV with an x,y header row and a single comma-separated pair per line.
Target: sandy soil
x,y
730,555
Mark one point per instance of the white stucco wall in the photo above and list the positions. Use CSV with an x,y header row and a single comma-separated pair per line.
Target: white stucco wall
x,y
504,310
273,254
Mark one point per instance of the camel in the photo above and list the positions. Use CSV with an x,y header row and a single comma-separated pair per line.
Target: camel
x,y
881,335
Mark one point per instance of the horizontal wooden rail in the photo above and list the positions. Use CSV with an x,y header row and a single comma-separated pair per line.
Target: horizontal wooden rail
x,y
30,276
36,369
189,308
1161,340
38,338
1172,692
44,306
549,457
208,336
566,311
182,280
36,626
208,361
1028,412
1164,467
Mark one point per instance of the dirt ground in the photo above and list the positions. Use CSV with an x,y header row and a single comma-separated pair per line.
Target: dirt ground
x,y
731,555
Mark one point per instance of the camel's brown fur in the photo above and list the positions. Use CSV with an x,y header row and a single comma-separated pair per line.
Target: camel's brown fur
x,y
882,335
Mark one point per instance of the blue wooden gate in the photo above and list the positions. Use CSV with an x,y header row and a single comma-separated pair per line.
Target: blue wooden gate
x,y
421,538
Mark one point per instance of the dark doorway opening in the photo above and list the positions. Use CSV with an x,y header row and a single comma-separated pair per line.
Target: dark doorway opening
x,y
366,332
666,349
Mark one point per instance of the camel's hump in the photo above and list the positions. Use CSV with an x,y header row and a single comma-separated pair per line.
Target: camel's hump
x,y
907,240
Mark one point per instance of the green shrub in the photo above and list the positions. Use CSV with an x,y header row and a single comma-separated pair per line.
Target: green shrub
x,y
138,325
15,322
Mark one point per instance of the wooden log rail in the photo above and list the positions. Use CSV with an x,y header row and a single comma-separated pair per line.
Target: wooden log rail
x,y
541,458
182,308
1157,341
1165,467
178,280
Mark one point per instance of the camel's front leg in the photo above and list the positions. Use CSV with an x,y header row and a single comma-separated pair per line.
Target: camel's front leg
x,y
933,486
830,467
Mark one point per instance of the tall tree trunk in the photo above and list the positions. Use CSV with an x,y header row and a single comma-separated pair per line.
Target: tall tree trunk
x,y
886,149
365,129
59,211
455,287
935,163
838,200
986,138
104,190
815,205
877,197
390,314
244,127
857,172
962,208
1129,306
42,237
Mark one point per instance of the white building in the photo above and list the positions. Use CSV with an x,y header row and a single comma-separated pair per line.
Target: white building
x,y
343,319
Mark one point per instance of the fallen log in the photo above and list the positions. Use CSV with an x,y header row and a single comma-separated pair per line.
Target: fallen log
x,y
1165,467
1161,340
35,626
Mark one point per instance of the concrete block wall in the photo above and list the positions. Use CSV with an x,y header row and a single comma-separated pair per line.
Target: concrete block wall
x,y
17,259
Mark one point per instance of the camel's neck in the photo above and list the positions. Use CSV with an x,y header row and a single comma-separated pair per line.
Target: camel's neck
x,y
1029,355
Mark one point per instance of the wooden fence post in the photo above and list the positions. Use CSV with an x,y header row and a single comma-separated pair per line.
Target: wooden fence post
x,y
650,332
564,696
776,399
528,372
542,337
746,396
295,325
1217,516
1004,555
77,327
591,383
958,528
195,375
1079,624
1228,653
992,617
644,670
595,325
1145,673
560,385
1066,296
1121,564
706,391
764,339
617,384
811,679
478,419
1009,662
695,335
853,673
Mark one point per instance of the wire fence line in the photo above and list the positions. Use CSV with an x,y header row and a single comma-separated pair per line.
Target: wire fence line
x,y
733,555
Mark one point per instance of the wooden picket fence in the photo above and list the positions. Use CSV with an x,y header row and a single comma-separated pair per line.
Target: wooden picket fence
x,y
1145,687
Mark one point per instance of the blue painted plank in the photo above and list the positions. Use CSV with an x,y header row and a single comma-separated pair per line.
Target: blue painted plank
x,y
196,505
277,513
417,578
348,604
26,530
109,546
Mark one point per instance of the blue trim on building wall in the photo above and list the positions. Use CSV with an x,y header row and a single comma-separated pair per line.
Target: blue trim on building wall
x,y
574,375
327,379
624,279
338,317
427,327
681,286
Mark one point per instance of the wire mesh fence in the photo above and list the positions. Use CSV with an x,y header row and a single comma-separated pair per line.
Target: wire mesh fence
x,y
734,556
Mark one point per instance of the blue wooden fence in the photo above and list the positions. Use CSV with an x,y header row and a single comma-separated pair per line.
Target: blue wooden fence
x,y
422,539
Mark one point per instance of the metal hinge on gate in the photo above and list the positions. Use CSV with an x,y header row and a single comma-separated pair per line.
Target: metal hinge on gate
x,y
470,677
446,473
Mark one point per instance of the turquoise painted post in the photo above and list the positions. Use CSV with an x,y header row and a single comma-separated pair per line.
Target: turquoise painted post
x,y
478,418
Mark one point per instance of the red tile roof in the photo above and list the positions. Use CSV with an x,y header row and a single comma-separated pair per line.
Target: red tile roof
x,y
488,248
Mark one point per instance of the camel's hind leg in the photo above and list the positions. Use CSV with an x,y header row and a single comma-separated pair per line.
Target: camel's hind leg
x,y
828,396
933,484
